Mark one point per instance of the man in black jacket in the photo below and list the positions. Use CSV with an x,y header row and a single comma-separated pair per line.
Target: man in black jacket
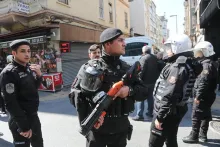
x,y
149,75
204,93
19,85
111,131
171,92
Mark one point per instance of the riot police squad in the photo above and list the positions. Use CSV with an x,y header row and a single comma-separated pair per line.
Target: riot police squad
x,y
204,93
172,91
111,131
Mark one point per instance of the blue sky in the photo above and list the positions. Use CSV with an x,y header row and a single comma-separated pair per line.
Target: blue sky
x,y
172,7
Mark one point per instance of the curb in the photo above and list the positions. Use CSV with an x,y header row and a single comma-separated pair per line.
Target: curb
x,y
212,128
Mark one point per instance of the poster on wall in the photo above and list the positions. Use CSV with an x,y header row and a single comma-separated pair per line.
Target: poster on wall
x,y
51,82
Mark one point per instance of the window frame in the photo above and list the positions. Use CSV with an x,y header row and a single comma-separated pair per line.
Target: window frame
x,y
101,9
66,2
126,19
110,12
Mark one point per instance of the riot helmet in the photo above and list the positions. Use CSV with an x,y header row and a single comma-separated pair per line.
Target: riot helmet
x,y
204,47
93,77
177,44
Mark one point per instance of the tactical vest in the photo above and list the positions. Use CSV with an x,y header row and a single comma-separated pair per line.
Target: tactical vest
x,y
112,74
160,86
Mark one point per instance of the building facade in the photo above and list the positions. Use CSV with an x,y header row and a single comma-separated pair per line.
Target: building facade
x,y
146,22
164,27
152,21
201,21
190,20
138,18
61,30
209,13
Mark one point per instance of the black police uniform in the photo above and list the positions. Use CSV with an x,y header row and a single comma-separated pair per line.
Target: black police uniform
x,y
116,126
171,93
2,103
204,91
19,86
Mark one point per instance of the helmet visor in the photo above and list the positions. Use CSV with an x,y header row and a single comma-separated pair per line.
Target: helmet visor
x,y
167,51
92,80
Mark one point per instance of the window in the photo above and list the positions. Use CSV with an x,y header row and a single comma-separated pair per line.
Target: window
x,y
101,9
126,19
110,12
134,49
64,1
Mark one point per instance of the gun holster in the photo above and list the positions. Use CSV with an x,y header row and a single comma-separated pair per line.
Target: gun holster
x,y
130,130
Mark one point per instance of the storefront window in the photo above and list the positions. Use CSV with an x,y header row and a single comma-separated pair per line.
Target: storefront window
x,y
43,56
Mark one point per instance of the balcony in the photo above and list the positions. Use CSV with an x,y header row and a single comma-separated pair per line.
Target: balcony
x,y
32,6
12,11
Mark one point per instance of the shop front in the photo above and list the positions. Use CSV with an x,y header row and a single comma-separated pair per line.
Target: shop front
x,y
74,44
44,55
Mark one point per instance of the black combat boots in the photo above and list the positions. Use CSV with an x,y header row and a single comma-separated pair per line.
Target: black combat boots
x,y
192,138
203,136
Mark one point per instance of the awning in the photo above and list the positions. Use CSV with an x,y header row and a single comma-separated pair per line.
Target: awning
x,y
209,12
33,40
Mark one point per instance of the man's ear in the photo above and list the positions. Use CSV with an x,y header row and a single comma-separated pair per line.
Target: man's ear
x,y
13,53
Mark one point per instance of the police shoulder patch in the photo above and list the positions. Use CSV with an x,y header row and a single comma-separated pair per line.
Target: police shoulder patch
x,y
205,71
172,80
10,88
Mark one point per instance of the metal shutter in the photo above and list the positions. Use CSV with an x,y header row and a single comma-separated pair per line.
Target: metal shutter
x,y
72,61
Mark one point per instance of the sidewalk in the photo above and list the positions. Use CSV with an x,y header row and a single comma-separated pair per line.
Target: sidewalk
x,y
215,123
47,96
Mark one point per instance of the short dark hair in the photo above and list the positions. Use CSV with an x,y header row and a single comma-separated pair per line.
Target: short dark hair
x,y
94,47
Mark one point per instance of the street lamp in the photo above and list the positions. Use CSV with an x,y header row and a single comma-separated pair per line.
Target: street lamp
x,y
176,22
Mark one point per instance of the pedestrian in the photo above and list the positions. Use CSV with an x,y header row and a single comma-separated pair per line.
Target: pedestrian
x,y
204,93
19,85
94,51
171,91
161,63
149,75
113,130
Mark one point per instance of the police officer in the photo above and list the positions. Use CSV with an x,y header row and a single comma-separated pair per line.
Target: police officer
x,y
111,131
204,93
19,84
171,92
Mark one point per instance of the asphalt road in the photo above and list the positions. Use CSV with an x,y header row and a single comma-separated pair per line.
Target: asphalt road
x,y
60,128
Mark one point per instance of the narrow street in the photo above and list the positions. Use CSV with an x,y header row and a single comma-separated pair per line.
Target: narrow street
x,y
60,128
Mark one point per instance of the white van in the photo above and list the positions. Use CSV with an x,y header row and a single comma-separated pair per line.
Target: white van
x,y
133,49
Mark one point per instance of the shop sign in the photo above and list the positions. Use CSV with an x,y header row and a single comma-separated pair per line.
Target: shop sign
x,y
64,47
23,7
37,40
34,40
